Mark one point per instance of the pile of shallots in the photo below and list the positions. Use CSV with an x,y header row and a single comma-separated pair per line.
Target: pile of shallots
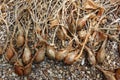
x,y
66,33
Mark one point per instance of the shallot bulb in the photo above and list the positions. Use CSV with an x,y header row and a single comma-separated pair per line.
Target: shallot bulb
x,y
27,69
60,34
91,57
19,68
20,40
26,57
81,22
51,52
70,58
40,55
101,56
61,54
9,53
101,53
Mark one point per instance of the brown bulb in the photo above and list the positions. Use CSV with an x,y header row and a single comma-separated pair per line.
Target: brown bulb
x,y
101,56
81,22
51,52
13,59
18,67
26,57
117,74
71,23
19,70
40,55
20,40
60,55
91,57
101,53
9,53
54,22
70,58
60,34
27,69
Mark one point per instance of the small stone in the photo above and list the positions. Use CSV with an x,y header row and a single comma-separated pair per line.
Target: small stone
x,y
88,72
83,61
98,75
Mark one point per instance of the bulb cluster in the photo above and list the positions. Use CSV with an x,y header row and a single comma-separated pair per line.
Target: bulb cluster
x,y
62,35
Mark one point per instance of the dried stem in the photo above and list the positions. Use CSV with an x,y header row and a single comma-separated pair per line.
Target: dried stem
x,y
85,41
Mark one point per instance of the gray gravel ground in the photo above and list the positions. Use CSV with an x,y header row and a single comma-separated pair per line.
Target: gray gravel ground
x,y
53,70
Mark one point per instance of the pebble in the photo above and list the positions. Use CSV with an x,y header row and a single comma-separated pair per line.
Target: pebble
x,y
83,61
98,75
88,72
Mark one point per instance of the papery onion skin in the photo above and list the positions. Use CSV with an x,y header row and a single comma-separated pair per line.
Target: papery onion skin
x,y
26,55
20,40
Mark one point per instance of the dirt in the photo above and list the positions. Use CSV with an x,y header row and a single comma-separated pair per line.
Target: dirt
x,y
58,70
